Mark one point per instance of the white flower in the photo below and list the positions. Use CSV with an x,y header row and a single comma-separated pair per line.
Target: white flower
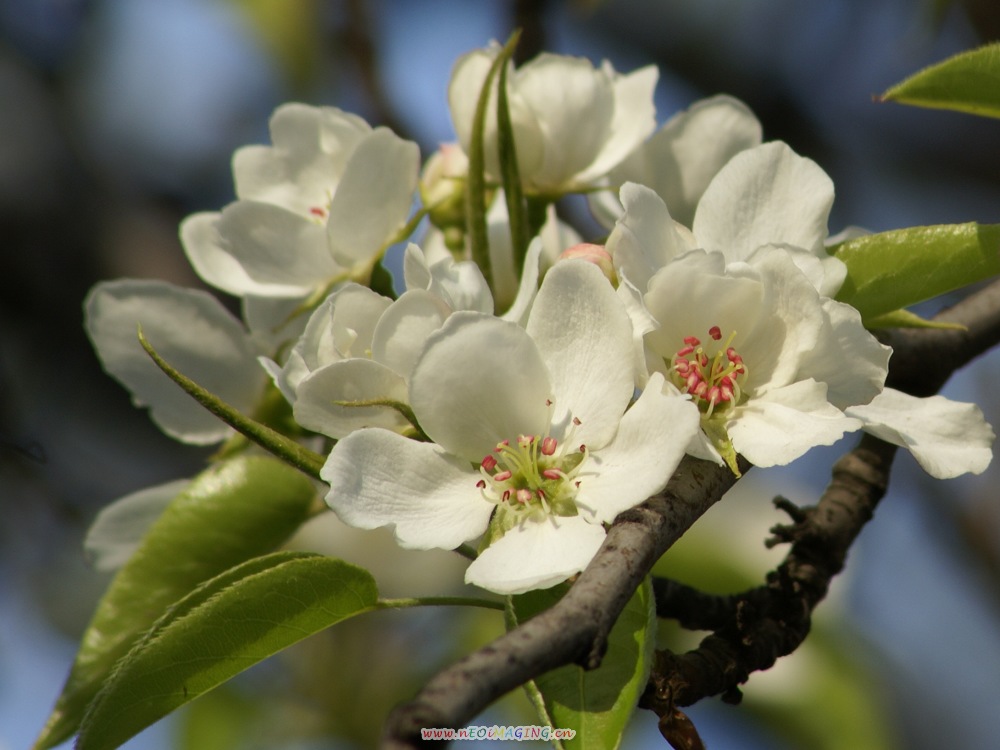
x,y
192,331
572,122
766,207
555,236
318,206
770,363
680,159
763,197
359,346
546,407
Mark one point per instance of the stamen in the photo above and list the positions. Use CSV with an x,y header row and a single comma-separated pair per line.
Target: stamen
x,y
533,475
712,377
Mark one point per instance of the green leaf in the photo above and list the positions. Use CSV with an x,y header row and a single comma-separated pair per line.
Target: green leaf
x,y
893,270
968,82
597,704
224,627
236,510
271,440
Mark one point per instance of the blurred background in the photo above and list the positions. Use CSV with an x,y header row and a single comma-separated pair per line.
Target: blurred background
x,y
118,118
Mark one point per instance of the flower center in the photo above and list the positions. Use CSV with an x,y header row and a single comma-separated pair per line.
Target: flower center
x,y
319,214
713,378
533,476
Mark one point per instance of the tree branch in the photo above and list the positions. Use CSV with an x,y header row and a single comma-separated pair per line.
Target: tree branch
x,y
574,630
772,621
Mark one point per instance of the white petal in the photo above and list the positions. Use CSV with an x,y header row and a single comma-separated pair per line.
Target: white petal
x,y
948,438
528,288
416,268
642,323
651,441
355,312
460,285
694,293
585,338
556,237
273,320
276,247
480,380
767,194
120,526
301,170
846,357
792,322
536,555
575,105
467,80
210,256
633,121
373,198
349,380
378,478
404,328
681,159
505,275
783,424
193,332
646,237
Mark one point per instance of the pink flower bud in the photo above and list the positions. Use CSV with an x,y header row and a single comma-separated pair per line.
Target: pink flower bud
x,y
595,254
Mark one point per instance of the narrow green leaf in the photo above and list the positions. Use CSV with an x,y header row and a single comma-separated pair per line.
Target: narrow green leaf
x,y
509,173
597,704
281,446
221,629
893,270
476,189
968,82
238,509
475,193
907,319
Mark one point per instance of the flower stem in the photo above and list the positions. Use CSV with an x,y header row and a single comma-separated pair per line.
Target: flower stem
x,y
280,445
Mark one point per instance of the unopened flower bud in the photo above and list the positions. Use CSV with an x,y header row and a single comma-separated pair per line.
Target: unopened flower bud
x,y
442,186
595,254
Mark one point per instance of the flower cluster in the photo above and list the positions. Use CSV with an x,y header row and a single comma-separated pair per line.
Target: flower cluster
x,y
525,412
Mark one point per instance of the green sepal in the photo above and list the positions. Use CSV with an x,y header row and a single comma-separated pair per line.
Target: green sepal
x,y
220,629
597,704
967,82
715,429
281,446
509,173
907,319
236,510
892,270
476,192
